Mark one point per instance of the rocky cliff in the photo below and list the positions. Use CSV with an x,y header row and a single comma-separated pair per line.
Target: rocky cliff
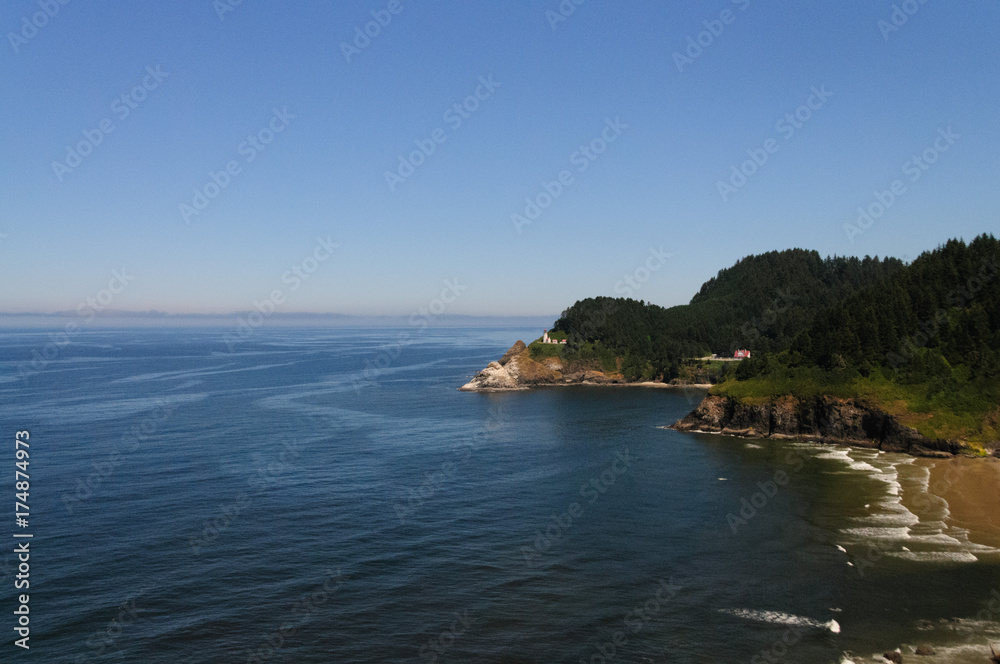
x,y
516,370
825,419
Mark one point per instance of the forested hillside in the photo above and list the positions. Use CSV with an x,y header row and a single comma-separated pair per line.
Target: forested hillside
x,y
760,303
944,306
924,345
922,340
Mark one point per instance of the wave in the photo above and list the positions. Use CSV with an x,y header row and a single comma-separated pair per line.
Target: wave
x,y
779,618
936,556
889,522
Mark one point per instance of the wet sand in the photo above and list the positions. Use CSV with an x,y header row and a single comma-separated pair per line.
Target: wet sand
x,y
972,489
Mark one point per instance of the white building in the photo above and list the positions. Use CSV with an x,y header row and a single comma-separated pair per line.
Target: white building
x,y
548,340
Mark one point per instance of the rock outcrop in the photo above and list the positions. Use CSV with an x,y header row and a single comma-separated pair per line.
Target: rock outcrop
x,y
516,349
825,419
516,370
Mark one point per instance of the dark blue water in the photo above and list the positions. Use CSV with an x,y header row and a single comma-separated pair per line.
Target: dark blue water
x,y
325,496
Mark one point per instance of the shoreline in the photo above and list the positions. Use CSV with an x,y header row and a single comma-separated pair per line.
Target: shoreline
x,y
516,370
826,419
645,384
970,487
865,444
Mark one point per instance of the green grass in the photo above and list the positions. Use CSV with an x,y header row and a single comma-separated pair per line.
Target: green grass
x,y
943,410
539,351
591,354
712,371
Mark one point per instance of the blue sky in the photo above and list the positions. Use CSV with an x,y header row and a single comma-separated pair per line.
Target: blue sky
x,y
337,124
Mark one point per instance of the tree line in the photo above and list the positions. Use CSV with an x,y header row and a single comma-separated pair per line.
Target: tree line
x,y
935,318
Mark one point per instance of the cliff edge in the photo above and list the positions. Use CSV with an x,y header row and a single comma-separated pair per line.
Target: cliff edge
x,y
823,419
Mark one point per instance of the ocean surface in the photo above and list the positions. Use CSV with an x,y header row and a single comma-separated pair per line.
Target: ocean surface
x,y
318,495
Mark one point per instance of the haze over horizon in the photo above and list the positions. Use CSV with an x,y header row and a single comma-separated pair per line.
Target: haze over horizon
x,y
204,157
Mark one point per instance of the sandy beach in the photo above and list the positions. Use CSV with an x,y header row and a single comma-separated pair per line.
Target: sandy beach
x,y
972,489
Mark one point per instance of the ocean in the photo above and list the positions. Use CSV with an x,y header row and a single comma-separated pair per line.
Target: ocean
x,y
327,495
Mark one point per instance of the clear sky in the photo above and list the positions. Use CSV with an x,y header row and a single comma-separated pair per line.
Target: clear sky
x,y
164,94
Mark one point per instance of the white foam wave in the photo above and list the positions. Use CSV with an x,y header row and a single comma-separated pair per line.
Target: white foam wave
x,y
925,528
889,520
836,454
879,533
900,518
989,628
923,476
779,618
892,505
937,538
936,556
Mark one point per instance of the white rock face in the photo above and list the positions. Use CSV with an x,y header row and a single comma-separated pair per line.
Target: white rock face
x,y
495,377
